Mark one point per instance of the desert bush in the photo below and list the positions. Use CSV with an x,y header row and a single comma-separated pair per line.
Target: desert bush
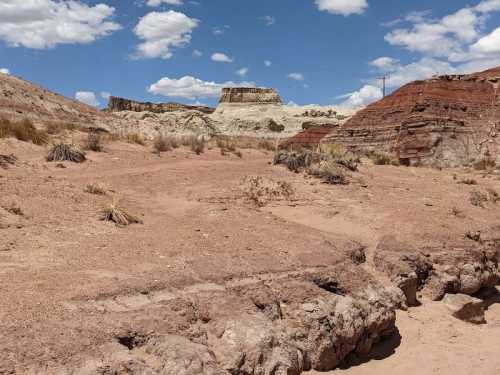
x,y
23,130
384,158
329,171
349,161
164,143
65,152
295,161
14,209
93,142
493,196
117,214
195,143
95,188
225,144
485,163
136,138
468,181
478,198
54,128
261,191
6,160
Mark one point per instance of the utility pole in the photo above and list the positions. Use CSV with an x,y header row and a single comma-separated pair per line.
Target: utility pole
x,y
384,80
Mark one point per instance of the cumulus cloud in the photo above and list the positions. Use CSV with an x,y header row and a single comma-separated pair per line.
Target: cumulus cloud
x,y
366,95
157,3
197,53
242,72
268,63
191,88
162,31
385,63
489,44
4,71
221,57
342,7
296,76
87,97
44,24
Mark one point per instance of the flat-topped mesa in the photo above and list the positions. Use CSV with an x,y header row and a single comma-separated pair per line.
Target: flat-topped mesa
x,y
249,95
117,104
450,120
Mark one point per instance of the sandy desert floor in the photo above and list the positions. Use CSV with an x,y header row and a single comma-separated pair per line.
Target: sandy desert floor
x,y
71,283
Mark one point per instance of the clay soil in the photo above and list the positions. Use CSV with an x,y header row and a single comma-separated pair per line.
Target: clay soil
x,y
71,283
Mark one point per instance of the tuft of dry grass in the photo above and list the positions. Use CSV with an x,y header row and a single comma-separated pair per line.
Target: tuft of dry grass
x,y
164,143
6,160
384,158
468,181
94,142
96,188
329,171
54,128
261,191
117,214
196,144
478,198
65,152
23,130
136,138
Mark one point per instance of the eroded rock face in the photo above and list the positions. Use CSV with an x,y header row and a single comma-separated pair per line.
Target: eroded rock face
x,y
448,120
249,95
117,104
461,268
466,308
283,325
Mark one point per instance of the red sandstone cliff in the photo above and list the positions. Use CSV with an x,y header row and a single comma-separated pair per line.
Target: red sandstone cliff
x,y
447,120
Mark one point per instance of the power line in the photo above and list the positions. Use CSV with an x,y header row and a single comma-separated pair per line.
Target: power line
x,y
384,80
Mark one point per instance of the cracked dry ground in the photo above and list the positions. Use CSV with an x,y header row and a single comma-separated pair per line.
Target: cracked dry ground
x,y
210,284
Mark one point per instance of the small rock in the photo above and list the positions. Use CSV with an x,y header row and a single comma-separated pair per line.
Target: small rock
x,y
466,308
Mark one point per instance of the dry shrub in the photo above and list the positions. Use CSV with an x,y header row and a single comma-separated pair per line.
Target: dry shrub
x,y
136,138
341,156
384,158
478,199
14,209
329,171
6,160
295,161
117,214
54,128
485,163
468,181
261,191
96,188
23,130
195,143
94,142
164,143
225,144
65,152
493,196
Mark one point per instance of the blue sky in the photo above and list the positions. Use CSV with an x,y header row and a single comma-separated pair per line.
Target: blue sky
x,y
318,51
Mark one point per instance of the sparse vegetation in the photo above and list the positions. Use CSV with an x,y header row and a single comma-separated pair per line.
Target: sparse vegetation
x,y
136,138
94,142
6,160
23,130
54,128
457,213
468,181
164,143
384,158
195,143
65,152
261,191
14,209
117,214
485,163
477,198
96,188
473,236
329,171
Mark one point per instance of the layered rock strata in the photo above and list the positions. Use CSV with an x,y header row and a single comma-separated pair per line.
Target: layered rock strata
x,y
117,104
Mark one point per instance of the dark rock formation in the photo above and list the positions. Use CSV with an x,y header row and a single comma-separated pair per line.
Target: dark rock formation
x,y
447,120
250,95
120,104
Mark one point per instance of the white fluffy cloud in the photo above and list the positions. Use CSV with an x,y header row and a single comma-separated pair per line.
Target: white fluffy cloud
x,y
489,44
242,72
296,76
343,7
268,63
4,71
157,3
221,57
161,31
385,63
268,20
41,24
191,88
366,95
87,97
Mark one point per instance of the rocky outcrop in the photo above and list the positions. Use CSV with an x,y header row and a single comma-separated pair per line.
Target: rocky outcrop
x,y
249,95
466,308
446,120
312,135
117,104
